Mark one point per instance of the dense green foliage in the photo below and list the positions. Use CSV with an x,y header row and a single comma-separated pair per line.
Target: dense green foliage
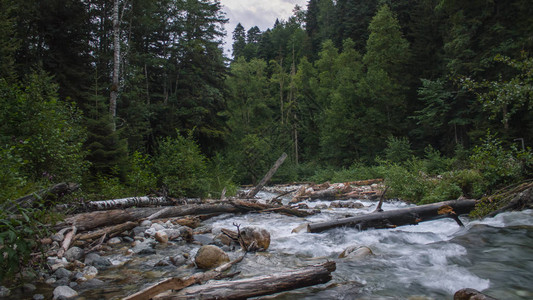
x,y
434,96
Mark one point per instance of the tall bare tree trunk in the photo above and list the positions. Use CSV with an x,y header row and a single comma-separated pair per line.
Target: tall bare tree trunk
x,y
116,64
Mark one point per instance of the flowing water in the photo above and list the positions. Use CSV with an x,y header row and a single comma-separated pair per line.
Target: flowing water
x,y
431,260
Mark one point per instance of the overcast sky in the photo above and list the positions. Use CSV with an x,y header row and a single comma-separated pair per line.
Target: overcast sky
x,y
260,13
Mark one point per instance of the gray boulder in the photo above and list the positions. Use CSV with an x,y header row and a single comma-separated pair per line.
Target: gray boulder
x,y
62,273
96,260
74,253
64,292
356,252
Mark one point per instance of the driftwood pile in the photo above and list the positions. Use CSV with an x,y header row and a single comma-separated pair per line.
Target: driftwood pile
x,y
362,189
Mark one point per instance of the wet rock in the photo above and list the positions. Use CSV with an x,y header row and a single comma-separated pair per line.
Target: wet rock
x,y
210,256
38,297
146,223
4,292
50,281
145,247
321,206
56,263
77,275
93,259
178,260
127,239
223,240
90,272
139,231
346,204
74,253
73,284
255,238
182,232
356,205
114,241
157,227
58,237
62,273
204,239
150,231
161,237
91,284
470,294
165,262
28,288
356,252
64,292
62,281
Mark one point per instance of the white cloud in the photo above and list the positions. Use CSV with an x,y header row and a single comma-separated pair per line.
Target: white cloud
x,y
260,13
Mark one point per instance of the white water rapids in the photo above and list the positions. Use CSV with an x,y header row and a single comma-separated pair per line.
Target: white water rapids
x,y
431,260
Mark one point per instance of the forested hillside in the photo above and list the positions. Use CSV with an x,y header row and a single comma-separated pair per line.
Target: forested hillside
x,y
136,97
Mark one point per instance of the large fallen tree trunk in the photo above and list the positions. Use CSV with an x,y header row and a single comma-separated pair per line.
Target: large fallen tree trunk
x,y
258,286
181,283
90,220
52,193
400,217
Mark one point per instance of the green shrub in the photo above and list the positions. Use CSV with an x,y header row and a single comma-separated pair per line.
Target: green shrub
x,y
434,162
42,131
406,182
441,190
19,236
141,177
497,165
181,167
398,150
470,182
220,176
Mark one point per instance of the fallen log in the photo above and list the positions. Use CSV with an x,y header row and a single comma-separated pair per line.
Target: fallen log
x,y
110,231
66,242
471,294
181,283
129,202
258,286
90,220
267,176
399,217
52,193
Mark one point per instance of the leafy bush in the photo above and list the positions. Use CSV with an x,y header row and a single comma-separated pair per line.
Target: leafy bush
x,y
470,182
141,177
18,238
434,162
41,130
181,167
406,181
220,176
398,150
497,165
